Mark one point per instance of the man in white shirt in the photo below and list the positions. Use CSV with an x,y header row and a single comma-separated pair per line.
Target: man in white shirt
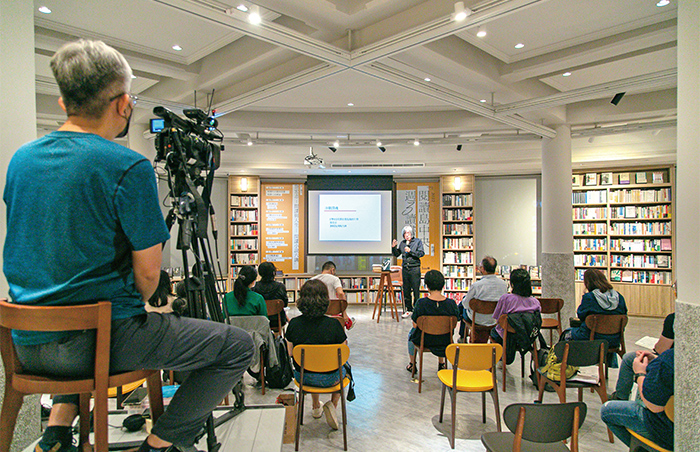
x,y
335,288
489,288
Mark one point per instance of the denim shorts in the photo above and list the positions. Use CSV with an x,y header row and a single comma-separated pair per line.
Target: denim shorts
x,y
320,380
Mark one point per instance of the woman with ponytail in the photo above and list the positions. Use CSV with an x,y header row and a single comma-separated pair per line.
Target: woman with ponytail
x,y
243,301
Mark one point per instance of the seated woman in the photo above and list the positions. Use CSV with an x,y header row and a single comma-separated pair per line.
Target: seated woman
x,y
313,327
271,290
242,301
601,298
434,304
520,300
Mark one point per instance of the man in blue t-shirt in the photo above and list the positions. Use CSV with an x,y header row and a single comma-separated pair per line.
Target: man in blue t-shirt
x,y
83,225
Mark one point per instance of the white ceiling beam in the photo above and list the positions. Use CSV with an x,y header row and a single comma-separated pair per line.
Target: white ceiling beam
x,y
656,80
408,81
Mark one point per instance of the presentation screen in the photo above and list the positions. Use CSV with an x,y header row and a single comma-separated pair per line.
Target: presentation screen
x,y
349,222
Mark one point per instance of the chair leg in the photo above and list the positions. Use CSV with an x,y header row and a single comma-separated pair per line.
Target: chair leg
x,y
155,395
494,396
263,360
300,413
483,407
442,402
10,409
541,382
345,419
415,362
453,393
100,422
84,410
420,372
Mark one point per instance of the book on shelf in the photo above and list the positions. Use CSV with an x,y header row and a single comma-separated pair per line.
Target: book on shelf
x,y
627,276
665,244
640,177
576,180
591,179
616,275
606,179
630,212
657,177
662,261
624,179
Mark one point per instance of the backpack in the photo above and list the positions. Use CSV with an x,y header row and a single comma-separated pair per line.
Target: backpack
x,y
280,376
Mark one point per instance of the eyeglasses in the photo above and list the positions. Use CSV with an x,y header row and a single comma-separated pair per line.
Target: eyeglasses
x,y
133,98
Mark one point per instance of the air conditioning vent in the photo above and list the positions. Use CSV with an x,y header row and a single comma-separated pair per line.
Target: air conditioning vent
x,y
377,165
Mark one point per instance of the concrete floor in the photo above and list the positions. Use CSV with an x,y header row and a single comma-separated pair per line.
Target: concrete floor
x,y
389,414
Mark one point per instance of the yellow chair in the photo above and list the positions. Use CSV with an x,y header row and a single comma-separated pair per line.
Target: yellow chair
x,y
321,358
473,370
638,443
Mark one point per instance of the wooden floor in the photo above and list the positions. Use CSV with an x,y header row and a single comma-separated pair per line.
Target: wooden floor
x,y
389,414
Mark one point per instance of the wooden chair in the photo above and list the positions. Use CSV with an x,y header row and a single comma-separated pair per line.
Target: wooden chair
x,y
638,443
508,329
577,353
430,324
609,324
533,425
479,307
551,306
276,307
473,370
336,308
321,358
66,318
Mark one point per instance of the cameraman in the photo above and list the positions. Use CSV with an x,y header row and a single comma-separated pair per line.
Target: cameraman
x,y
84,225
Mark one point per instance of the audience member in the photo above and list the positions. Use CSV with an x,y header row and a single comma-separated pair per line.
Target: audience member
x,y
313,327
489,288
435,304
242,301
411,250
272,290
335,289
520,300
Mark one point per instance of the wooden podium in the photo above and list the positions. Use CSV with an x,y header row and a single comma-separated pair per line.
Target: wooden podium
x,y
386,288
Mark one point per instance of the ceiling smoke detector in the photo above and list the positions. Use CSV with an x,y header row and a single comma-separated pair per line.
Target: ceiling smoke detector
x,y
313,159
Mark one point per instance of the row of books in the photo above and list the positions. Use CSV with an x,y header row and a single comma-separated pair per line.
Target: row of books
x,y
458,257
244,259
590,228
244,229
645,277
590,213
244,244
641,177
457,215
457,200
639,228
641,212
457,284
590,197
505,270
244,215
354,283
590,244
244,201
641,260
459,243
638,195
457,229
590,260
457,271
640,245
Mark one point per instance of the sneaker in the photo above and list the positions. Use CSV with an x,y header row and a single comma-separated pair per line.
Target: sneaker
x,y
56,447
331,417
317,412
406,314
350,323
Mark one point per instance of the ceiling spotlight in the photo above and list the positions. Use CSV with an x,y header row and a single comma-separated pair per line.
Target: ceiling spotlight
x,y
250,142
459,147
254,16
177,47
379,143
332,148
662,3
591,139
242,7
483,101
336,144
46,10
350,104
416,142
617,98
519,45
427,79
461,12
313,159
381,148
566,74
481,33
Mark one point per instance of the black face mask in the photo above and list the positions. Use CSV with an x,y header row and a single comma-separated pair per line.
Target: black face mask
x,y
123,133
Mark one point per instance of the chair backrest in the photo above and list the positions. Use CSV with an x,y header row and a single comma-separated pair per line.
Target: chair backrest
x,y
473,356
482,306
96,316
437,324
336,307
669,408
503,323
274,306
582,353
321,358
551,305
545,423
606,324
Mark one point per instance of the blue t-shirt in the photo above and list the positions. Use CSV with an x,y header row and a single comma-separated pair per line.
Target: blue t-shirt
x,y
658,389
77,206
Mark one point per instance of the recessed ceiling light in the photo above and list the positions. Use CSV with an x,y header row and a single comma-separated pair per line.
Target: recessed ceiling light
x,y
46,10
483,101
519,45
566,74
427,79
336,144
250,143
416,142
481,33
177,47
242,7
350,104
662,3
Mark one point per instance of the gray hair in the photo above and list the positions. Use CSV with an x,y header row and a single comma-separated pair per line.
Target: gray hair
x,y
406,229
88,74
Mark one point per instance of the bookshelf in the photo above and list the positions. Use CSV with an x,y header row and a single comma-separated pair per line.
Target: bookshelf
x,y
623,224
244,222
457,234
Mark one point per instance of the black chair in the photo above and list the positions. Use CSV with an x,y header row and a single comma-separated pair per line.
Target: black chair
x,y
533,425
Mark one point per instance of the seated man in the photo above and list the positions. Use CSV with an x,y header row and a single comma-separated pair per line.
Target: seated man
x,y
489,288
335,289
101,237
654,377
625,377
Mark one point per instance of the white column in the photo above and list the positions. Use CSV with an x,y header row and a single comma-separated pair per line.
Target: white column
x,y
557,242
687,224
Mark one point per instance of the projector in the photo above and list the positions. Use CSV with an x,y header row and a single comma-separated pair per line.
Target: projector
x,y
313,159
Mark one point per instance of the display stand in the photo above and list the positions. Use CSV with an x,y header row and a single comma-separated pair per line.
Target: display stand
x,y
386,288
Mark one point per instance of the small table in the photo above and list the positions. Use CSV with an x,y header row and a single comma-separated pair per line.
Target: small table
x,y
386,288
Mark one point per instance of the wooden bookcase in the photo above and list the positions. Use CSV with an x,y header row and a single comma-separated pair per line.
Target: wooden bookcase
x,y
624,225
457,234
244,222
